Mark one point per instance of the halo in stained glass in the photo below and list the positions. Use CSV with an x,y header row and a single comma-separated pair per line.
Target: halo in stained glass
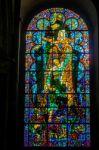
x,y
42,24
72,23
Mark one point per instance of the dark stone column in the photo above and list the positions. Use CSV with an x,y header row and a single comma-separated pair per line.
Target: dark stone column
x,y
9,33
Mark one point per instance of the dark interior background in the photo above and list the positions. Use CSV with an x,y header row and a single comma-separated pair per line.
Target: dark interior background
x,y
12,12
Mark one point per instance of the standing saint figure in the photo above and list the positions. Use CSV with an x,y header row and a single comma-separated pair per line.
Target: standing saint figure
x,y
60,64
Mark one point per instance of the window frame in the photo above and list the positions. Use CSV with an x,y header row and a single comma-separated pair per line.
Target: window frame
x,y
26,21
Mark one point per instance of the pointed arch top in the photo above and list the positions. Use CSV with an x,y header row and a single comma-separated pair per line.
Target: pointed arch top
x,y
46,18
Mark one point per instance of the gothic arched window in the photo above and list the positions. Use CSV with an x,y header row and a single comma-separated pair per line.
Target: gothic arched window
x,y
57,80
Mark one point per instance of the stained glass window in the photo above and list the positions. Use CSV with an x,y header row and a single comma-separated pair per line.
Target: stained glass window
x,y
57,80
